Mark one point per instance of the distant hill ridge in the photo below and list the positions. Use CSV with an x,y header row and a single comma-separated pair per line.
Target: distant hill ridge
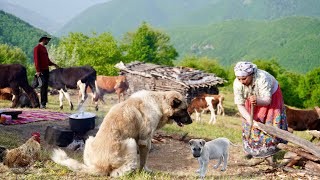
x,y
16,32
293,41
120,16
33,18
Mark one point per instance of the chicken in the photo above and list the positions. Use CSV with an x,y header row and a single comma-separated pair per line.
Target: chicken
x,y
21,158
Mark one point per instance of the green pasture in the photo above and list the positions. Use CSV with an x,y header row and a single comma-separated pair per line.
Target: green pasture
x,y
227,126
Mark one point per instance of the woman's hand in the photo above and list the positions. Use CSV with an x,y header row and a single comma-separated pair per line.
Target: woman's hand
x,y
253,99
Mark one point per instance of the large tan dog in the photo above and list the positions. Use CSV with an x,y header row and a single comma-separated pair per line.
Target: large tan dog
x,y
123,141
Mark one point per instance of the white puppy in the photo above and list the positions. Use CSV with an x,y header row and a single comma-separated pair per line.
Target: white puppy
x,y
205,151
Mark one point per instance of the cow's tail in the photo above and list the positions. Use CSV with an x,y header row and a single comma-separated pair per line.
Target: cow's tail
x,y
97,95
60,157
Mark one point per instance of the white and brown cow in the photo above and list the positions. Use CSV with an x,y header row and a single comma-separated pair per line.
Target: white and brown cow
x,y
204,102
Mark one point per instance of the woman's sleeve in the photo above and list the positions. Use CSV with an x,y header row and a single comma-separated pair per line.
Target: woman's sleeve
x,y
238,92
265,87
245,114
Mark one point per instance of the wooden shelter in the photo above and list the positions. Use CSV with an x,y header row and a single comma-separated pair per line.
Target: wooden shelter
x,y
188,81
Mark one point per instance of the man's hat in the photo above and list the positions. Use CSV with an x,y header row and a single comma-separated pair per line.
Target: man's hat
x,y
44,37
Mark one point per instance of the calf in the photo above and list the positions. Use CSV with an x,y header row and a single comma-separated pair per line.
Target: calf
x,y
302,119
73,77
110,84
14,76
204,102
7,94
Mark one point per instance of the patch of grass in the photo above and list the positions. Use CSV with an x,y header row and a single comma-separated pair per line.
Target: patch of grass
x,y
226,126
8,139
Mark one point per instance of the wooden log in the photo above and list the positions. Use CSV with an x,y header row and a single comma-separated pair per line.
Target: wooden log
x,y
296,171
307,145
312,166
314,133
298,151
293,161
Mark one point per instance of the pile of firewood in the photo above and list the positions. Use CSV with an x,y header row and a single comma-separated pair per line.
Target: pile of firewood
x,y
303,153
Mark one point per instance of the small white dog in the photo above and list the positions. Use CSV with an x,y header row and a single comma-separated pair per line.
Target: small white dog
x,y
205,151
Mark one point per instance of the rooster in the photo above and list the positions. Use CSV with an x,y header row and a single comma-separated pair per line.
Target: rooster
x,y
21,158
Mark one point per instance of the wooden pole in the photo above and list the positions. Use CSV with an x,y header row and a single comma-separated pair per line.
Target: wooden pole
x,y
312,166
307,145
288,169
298,151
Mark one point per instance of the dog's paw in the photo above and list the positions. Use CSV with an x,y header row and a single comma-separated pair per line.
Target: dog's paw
x,y
198,171
202,176
215,166
223,169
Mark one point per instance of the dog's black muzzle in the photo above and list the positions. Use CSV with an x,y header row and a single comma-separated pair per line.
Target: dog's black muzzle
x,y
182,117
196,152
196,155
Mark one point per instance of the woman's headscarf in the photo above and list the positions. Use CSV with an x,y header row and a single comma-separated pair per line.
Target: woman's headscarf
x,y
244,68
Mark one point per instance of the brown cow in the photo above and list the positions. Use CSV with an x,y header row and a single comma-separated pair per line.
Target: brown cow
x,y
303,119
204,102
111,84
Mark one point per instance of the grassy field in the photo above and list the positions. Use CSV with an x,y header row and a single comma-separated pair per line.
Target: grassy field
x,y
226,126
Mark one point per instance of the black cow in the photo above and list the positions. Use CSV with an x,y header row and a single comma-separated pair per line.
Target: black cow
x,y
15,77
73,77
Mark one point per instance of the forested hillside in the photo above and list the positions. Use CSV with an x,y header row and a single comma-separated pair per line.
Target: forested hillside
x,y
15,32
33,18
292,41
120,16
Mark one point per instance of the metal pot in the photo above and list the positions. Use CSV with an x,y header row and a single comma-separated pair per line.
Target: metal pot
x,y
82,122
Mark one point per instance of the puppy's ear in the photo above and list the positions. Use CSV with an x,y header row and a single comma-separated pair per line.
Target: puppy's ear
x,y
175,103
191,142
202,142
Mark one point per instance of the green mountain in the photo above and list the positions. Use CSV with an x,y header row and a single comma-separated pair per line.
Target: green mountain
x,y
120,16
34,18
15,32
292,41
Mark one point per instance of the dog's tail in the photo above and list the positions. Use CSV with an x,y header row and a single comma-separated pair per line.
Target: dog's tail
x,y
60,157
233,144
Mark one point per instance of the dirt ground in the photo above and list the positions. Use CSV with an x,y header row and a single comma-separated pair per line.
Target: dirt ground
x,y
174,157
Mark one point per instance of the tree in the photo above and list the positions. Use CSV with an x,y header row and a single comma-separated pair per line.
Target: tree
x,y
59,55
289,83
99,51
148,45
205,64
271,66
309,88
12,55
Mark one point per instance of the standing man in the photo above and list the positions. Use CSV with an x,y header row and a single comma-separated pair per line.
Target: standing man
x,y
42,63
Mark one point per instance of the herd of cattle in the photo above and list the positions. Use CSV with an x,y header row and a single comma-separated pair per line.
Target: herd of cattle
x,y
14,86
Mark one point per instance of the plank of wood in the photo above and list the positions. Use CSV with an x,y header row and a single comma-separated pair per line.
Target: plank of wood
x,y
312,166
291,170
298,151
307,145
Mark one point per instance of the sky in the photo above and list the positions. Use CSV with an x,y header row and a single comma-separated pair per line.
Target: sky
x,y
58,10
